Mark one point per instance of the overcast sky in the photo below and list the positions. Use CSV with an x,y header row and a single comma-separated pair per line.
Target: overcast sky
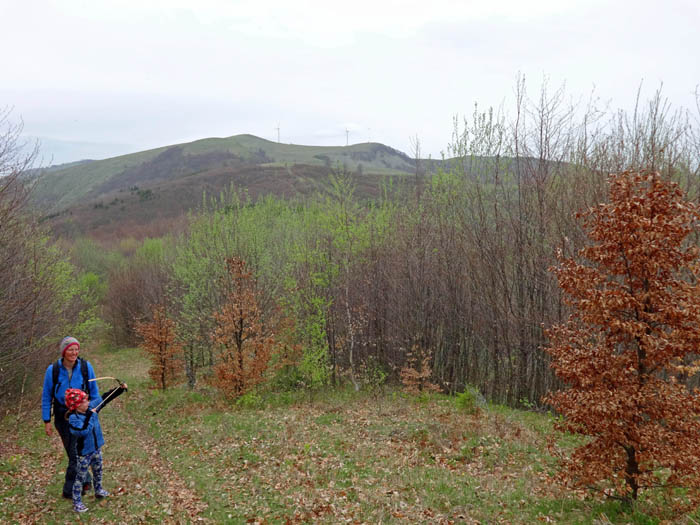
x,y
97,78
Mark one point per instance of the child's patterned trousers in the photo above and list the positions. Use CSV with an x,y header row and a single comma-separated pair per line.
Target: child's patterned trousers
x,y
94,461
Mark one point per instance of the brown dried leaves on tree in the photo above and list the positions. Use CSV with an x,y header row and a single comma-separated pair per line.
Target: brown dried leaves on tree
x,y
158,338
625,351
415,376
245,344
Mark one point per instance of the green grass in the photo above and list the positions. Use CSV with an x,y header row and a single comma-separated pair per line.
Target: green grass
x,y
69,185
337,456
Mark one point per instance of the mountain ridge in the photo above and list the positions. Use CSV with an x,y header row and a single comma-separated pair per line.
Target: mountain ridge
x,y
133,190
60,188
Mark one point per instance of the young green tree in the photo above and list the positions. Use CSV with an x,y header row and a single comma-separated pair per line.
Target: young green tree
x,y
630,341
260,233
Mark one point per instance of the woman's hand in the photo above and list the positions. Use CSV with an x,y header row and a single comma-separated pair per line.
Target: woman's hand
x,y
47,428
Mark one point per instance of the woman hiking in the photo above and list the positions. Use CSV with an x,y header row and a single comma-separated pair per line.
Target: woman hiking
x,y
70,371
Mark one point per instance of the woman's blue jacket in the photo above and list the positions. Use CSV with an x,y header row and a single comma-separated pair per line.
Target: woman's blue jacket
x,y
64,383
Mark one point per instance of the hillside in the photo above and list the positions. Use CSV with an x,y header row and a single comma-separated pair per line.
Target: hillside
x,y
136,190
185,456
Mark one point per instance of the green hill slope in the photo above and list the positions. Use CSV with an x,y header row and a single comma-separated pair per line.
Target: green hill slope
x,y
92,181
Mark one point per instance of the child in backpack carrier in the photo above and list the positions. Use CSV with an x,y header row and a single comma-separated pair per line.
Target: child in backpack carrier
x,y
85,424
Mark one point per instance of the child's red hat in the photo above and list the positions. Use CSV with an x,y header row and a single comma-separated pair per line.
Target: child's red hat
x,y
74,396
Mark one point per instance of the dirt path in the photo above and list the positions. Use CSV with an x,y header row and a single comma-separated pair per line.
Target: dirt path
x,y
142,481
140,468
181,499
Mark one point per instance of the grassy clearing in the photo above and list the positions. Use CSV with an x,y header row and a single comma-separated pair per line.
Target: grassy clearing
x,y
334,457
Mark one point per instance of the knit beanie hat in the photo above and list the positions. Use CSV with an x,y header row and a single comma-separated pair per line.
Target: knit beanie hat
x,y
66,343
74,396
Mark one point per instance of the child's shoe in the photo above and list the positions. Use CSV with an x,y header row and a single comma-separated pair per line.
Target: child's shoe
x,y
101,493
79,507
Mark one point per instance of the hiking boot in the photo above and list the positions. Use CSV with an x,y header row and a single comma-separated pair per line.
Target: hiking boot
x,y
101,493
79,507
66,496
86,488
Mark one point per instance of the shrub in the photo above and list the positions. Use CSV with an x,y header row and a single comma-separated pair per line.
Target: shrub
x,y
415,376
159,341
469,401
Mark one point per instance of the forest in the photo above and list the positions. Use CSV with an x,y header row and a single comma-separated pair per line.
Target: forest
x,y
452,270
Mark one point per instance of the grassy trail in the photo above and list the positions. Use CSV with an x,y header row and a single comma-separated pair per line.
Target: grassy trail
x,y
341,457
146,484
143,485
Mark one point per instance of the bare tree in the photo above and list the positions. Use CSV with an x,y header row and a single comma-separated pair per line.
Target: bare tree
x,y
33,275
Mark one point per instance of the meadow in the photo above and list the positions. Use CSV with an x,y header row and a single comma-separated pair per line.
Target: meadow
x,y
330,456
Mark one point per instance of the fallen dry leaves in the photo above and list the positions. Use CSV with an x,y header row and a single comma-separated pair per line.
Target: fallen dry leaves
x,y
175,458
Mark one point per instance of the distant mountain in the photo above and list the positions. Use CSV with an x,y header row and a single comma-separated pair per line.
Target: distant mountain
x,y
107,197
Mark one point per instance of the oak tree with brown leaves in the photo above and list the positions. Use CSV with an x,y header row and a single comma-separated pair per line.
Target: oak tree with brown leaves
x,y
158,337
244,343
417,373
629,344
